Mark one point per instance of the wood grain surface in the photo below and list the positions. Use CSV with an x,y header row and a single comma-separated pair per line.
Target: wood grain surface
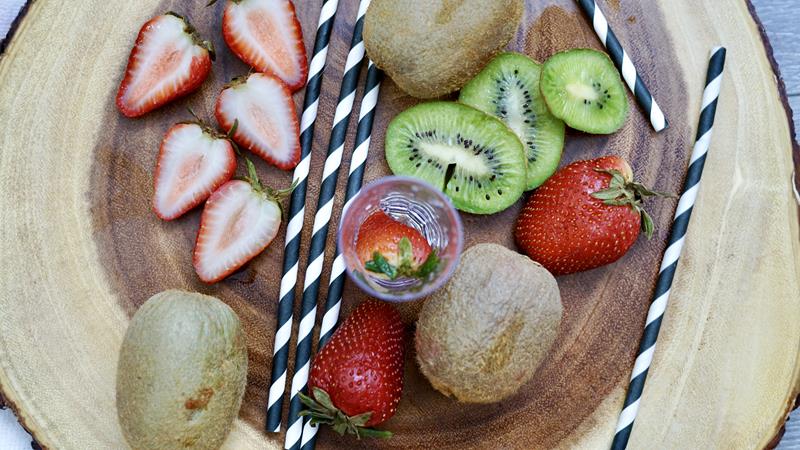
x,y
86,249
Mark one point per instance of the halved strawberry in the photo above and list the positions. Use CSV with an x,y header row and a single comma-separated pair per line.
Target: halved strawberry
x,y
267,118
239,221
388,247
168,61
193,162
266,35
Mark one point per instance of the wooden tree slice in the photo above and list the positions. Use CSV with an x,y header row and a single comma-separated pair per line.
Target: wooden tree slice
x,y
82,250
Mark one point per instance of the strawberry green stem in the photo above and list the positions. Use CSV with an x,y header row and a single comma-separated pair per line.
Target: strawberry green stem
x,y
623,191
323,411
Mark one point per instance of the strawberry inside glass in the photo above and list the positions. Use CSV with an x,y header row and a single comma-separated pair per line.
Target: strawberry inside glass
x,y
400,239
391,250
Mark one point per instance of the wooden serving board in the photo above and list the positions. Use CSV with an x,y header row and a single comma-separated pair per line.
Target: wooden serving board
x,y
81,249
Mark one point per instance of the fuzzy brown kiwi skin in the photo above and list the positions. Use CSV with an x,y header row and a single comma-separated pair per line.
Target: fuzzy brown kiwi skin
x,y
482,336
446,45
182,373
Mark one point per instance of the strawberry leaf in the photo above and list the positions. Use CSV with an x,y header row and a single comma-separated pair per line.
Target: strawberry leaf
x,y
430,266
323,398
322,411
373,433
252,176
643,191
361,419
405,251
379,264
608,194
647,224
340,427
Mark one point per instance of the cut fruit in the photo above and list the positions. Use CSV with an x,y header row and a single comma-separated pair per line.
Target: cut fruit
x,y
192,163
508,88
583,88
266,35
239,221
168,61
267,121
474,158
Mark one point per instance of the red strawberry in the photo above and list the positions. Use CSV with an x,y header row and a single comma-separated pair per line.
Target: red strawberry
x,y
168,61
193,162
239,221
357,378
381,233
267,118
587,215
266,35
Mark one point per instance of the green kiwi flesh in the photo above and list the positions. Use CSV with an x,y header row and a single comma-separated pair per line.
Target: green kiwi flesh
x,y
474,158
508,88
583,88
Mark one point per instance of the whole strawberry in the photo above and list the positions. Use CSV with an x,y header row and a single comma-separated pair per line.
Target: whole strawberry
x,y
587,215
357,378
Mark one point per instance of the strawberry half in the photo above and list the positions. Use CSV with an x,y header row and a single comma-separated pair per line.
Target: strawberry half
x,y
357,378
266,35
239,221
587,215
394,249
168,61
267,118
193,162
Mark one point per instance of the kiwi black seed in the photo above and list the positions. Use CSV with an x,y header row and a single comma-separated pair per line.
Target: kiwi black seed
x,y
583,88
508,88
474,158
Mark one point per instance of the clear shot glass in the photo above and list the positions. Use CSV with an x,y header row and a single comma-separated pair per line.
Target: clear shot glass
x,y
416,204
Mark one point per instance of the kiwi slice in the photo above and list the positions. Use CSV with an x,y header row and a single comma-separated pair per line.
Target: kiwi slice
x,y
583,88
474,158
508,88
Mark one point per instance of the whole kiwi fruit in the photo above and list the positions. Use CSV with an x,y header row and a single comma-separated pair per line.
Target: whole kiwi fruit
x,y
182,372
431,48
482,336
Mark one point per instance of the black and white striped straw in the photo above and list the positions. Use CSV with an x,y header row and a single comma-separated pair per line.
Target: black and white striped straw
x,y
624,64
333,301
291,256
674,246
319,234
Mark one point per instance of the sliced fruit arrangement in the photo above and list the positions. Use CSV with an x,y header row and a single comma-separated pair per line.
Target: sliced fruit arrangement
x,y
357,378
193,162
168,61
393,249
239,221
508,88
583,88
587,215
266,35
474,158
265,111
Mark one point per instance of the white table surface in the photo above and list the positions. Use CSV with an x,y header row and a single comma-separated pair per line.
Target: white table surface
x,y
779,17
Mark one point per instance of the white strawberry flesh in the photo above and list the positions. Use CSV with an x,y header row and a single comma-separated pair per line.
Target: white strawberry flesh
x,y
237,224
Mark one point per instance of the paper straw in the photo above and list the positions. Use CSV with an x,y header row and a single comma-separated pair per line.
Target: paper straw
x,y
283,327
333,302
674,246
624,64
319,236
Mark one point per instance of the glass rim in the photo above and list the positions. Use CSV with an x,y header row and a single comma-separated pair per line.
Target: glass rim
x,y
442,278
